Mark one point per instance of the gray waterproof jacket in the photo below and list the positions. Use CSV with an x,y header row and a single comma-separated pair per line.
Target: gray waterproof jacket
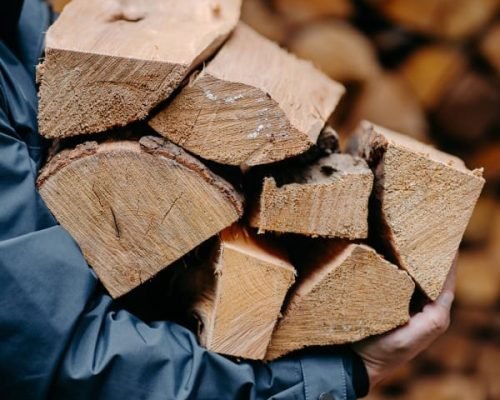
x,y
61,335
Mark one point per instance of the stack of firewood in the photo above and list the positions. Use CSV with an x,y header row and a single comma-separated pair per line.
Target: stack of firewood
x,y
183,139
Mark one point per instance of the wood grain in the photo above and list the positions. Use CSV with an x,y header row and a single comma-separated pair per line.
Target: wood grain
x,y
109,62
249,106
136,207
424,199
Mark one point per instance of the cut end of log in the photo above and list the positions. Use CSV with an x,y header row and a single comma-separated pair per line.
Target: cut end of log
x,y
328,198
424,199
241,110
140,206
347,294
250,281
109,63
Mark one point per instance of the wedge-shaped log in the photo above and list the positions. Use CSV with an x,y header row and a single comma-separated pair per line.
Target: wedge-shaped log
x,y
253,104
240,293
109,62
348,292
328,198
135,207
424,199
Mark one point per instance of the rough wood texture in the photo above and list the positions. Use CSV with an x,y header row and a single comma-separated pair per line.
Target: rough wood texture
x,y
249,106
431,70
388,100
348,293
338,49
424,199
454,19
108,63
135,207
259,16
248,281
305,10
328,198
490,46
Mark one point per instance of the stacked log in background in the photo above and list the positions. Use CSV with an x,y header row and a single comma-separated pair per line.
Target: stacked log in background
x,y
426,68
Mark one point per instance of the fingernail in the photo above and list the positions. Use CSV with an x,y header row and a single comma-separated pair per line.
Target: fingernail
x,y
446,299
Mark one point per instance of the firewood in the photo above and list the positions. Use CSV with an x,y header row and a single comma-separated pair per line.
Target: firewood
x,y
328,198
338,49
249,106
136,207
445,18
478,282
423,200
305,10
108,63
449,387
389,101
469,111
239,293
490,46
349,292
258,15
431,70
480,225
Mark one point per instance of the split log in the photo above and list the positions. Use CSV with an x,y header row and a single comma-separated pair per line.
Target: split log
x,y
248,107
389,101
239,293
338,49
258,15
469,111
306,10
108,63
136,207
424,199
490,46
445,18
328,198
431,70
478,281
348,293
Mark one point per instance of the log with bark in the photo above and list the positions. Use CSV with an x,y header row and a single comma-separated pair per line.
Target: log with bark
x,y
424,199
109,63
136,207
247,107
346,293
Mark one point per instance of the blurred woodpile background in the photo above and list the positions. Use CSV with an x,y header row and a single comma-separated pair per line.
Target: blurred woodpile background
x,y
430,69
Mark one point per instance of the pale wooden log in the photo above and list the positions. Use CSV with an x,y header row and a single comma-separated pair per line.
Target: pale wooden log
x,y
258,15
448,387
454,19
424,199
108,63
478,280
388,100
338,49
348,293
431,70
306,10
490,46
328,198
239,293
136,207
253,104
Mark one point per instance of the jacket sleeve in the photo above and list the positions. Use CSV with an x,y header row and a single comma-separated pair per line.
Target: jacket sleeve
x,y
61,336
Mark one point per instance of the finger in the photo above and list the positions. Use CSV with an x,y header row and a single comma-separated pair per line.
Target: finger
x,y
449,284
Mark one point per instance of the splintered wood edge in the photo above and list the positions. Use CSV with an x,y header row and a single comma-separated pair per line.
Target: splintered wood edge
x,y
148,144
